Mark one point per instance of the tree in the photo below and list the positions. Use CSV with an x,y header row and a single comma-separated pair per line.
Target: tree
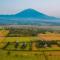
x,y
40,44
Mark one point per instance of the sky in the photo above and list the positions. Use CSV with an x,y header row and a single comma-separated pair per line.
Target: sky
x,y
49,7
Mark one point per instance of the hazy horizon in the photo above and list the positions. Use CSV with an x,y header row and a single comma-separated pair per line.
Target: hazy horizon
x,y
49,7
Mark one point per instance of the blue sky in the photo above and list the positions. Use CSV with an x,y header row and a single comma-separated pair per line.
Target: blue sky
x,y
49,7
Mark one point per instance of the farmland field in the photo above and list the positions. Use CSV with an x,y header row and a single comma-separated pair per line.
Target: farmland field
x,y
10,50
29,55
3,34
20,39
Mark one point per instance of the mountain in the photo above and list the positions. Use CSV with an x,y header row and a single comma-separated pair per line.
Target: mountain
x,y
29,17
31,13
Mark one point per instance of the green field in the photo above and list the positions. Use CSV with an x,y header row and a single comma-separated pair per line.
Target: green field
x,y
29,55
20,39
9,51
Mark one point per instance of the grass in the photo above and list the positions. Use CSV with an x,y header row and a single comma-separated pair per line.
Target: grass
x,y
20,39
20,55
43,54
3,33
29,55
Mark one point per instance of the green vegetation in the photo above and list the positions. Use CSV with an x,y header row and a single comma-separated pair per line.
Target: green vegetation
x,y
23,32
29,55
16,45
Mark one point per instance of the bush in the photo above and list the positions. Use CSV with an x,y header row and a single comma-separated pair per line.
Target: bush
x,y
40,44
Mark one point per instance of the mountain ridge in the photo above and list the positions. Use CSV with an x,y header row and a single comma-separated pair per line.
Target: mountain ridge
x,y
29,17
30,13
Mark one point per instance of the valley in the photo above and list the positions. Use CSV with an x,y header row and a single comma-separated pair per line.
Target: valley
x,y
29,42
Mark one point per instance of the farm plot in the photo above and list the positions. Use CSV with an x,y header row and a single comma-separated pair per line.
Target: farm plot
x,y
49,36
20,39
52,55
3,34
29,55
21,55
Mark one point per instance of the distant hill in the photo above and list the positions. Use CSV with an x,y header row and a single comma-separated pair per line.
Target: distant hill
x,y
29,17
31,13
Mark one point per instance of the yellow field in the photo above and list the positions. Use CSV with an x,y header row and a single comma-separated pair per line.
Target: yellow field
x,y
19,39
43,54
49,36
3,33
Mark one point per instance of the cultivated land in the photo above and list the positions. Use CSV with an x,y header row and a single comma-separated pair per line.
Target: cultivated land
x,y
10,51
23,55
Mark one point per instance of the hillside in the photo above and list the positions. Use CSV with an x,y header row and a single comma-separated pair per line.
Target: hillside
x,y
29,17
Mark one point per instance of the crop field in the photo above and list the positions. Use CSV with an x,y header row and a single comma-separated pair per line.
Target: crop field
x,y
29,55
3,34
49,36
19,39
15,44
